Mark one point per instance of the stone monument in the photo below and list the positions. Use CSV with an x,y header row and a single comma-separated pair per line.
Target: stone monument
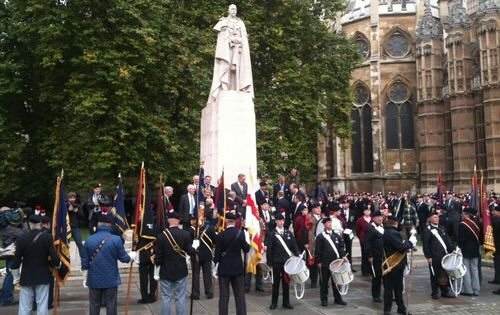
x,y
228,136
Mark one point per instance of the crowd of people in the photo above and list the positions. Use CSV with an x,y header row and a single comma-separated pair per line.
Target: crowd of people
x,y
292,221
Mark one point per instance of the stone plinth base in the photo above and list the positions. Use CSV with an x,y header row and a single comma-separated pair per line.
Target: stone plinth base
x,y
228,138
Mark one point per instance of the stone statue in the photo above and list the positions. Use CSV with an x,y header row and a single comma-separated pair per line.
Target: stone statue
x,y
232,67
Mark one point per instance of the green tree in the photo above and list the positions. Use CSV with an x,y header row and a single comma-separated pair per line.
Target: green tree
x,y
97,87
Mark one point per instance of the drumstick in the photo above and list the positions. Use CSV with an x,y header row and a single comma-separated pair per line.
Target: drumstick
x,y
432,270
373,270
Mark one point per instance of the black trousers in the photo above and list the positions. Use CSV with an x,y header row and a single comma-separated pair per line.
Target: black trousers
x,y
348,248
496,264
313,274
440,279
377,279
237,283
393,286
325,277
366,268
107,297
279,276
147,283
206,267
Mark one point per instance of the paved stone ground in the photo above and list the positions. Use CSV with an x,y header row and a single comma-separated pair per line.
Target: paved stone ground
x,y
74,298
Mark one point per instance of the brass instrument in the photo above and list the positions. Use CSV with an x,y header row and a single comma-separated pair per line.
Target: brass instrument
x,y
392,261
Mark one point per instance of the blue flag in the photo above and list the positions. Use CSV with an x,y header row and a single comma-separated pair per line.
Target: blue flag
x,y
119,207
61,231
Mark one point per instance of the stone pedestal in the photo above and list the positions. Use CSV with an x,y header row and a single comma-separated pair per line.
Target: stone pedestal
x,y
228,138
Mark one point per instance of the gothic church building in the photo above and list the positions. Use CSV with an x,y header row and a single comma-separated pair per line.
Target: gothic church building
x,y
426,97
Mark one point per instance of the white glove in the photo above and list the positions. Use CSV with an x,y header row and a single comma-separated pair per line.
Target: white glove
x,y
132,255
196,244
85,272
156,275
247,237
413,240
137,259
413,231
16,275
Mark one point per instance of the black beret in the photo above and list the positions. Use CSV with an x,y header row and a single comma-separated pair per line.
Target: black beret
x,y
231,216
377,213
105,218
470,210
45,219
35,218
279,216
432,213
173,215
315,204
392,218
327,219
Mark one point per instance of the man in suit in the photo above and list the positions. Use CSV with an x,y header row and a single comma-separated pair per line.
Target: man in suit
x,y
208,183
297,206
187,206
453,212
95,202
283,206
36,252
393,280
314,219
240,187
173,245
228,248
436,244
422,212
168,193
329,247
261,195
281,185
281,245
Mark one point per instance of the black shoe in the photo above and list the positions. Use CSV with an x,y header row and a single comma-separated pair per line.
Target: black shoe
x,y
288,307
247,290
196,298
314,285
210,296
377,300
466,294
475,294
494,282
405,313
324,303
353,270
340,302
142,301
435,297
448,295
272,307
260,290
364,274
497,292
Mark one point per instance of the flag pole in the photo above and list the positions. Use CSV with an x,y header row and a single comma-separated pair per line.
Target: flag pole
x,y
56,206
134,235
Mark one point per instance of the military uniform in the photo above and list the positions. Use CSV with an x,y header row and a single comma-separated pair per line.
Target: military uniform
x,y
374,248
393,280
207,236
276,256
433,248
325,255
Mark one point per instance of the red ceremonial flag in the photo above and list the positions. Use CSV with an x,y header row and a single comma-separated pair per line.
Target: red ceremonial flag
x,y
489,243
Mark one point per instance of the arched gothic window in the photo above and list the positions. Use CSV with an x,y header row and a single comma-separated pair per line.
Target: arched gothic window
x,y
362,144
399,123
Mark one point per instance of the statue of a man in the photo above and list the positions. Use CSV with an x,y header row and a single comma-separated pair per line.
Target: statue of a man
x,y
232,67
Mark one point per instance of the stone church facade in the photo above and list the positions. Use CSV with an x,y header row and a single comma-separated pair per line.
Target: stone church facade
x,y
426,97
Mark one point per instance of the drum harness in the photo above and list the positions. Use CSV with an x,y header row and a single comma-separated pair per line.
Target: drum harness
x,y
455,284
340,287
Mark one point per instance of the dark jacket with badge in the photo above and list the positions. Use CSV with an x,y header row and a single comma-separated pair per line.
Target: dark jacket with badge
x,y
393,242
228,249
324,253
35,251
173,264
374,243
276,253
432,246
